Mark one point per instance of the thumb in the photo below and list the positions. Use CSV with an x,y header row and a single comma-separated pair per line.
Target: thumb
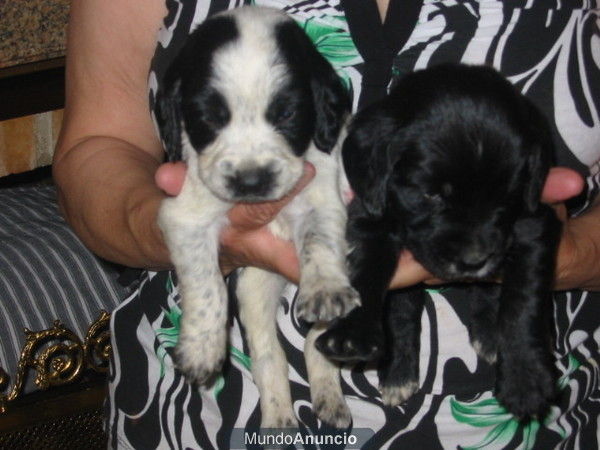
x,y
249,216
561,184
170,176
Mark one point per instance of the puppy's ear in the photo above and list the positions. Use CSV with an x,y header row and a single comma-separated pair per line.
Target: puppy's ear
x,y
169,117
540,154
331,99
368,158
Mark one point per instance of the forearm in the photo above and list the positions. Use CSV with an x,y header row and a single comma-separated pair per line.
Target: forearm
x,y
108,195
579,252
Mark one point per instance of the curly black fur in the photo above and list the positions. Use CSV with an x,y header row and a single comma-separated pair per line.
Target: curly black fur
x,y
451,166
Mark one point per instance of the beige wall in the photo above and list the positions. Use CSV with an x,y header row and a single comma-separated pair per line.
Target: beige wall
x,y
28,142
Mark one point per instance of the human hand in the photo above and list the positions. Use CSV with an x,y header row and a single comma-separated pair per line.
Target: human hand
x,y
561,184
578,260
247,241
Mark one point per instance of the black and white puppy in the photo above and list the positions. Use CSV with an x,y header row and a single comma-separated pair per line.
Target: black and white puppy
x,y
245,103
451,166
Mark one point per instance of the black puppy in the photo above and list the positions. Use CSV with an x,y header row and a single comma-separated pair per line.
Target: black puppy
x,y
451,166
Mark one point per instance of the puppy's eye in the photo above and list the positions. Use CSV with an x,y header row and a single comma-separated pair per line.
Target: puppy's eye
x,y
210,108
216,117
284,107
285,114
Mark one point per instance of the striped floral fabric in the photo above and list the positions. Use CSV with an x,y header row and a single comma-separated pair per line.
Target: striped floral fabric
x,y
549,50
45,272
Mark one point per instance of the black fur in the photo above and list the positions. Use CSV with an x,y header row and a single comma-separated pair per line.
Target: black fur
x,y
186,94
451,166
329,97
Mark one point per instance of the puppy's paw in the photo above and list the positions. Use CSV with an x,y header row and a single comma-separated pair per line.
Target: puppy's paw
x,y
395,394
332,409
346,341
200,356
526,387
276,410
484,339
485,350
279,419
323,301
399,376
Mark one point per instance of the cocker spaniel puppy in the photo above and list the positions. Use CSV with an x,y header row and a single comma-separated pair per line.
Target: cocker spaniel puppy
x,y
245,103
451,166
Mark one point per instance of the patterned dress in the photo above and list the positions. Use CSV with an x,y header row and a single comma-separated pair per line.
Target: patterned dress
x,y
551,51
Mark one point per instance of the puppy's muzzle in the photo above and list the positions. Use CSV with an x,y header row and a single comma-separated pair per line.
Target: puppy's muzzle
x,y
474,257
251,182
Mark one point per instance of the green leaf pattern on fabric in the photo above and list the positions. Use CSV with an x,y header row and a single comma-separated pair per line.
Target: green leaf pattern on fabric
x,y
572,367
333,41
328,30
241,358
168,336
489,413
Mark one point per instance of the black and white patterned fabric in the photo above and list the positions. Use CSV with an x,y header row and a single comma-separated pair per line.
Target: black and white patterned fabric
x,y
551,51
46,273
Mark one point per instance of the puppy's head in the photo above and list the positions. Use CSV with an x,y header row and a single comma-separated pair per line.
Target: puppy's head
x,y
460,155
243,101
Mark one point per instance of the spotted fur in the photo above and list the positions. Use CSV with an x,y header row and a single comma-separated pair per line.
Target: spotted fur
x,y
246,102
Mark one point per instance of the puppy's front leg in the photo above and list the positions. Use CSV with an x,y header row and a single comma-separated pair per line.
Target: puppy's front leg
x,y
526,373
191,223
258,293
324,289
484,300
373,259
325,388
399,369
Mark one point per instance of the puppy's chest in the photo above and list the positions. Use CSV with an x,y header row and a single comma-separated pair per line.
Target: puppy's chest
x,y
328,190
291,217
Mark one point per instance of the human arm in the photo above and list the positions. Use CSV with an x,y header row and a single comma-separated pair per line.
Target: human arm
x,y
108,151
579,250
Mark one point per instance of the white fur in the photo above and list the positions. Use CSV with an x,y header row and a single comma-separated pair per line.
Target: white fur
x,y
396,395
325,389
246,73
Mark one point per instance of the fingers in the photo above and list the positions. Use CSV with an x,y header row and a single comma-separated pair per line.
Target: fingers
x,y
410,272
281,257
278,255
258,248
170,177
561,184
247,241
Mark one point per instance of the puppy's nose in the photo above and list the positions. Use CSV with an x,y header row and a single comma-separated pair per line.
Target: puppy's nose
x,y
254,181
474,260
